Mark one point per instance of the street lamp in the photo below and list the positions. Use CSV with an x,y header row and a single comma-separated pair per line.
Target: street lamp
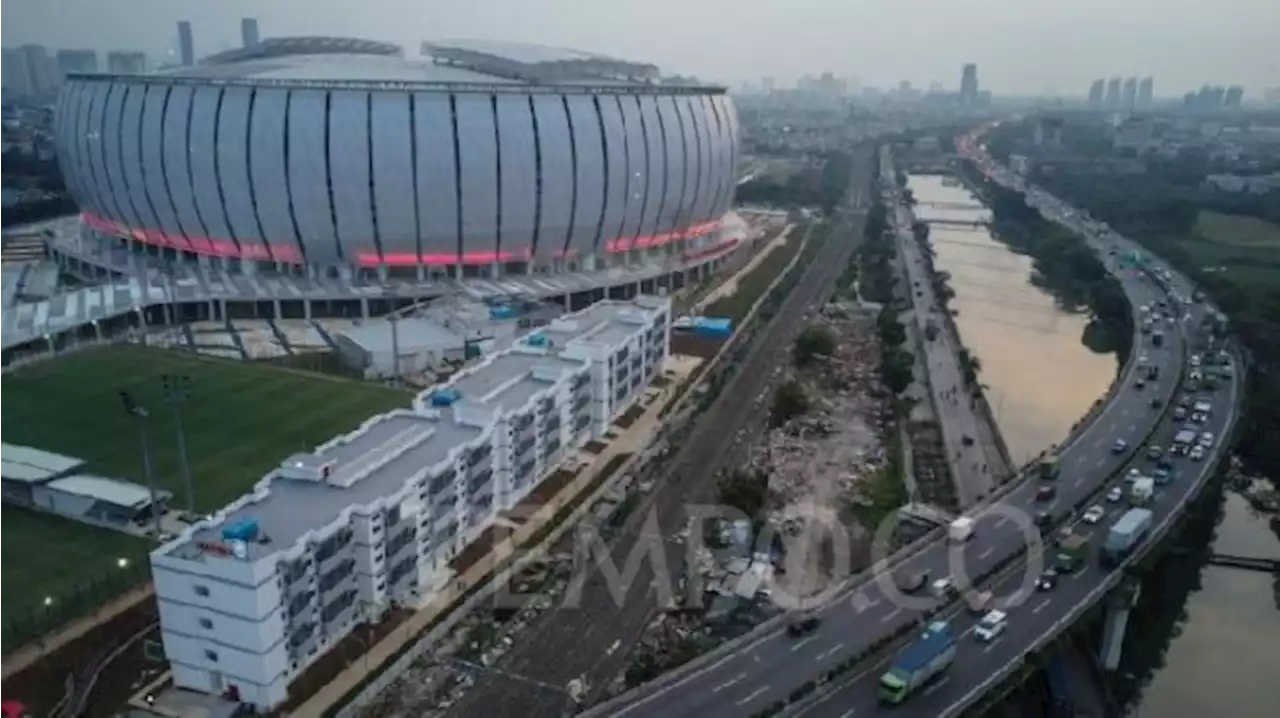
x,y
177,389
140,413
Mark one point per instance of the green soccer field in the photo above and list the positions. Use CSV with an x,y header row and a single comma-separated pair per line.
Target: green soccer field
x,y
241,420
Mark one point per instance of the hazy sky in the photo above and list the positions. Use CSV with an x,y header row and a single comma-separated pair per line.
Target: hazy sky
x,y
1022,46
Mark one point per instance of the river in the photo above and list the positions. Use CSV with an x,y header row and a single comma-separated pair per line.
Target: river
x,y
1039,376
1205,644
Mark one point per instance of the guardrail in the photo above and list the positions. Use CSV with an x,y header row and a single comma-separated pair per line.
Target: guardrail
x,y
1116,574
769,628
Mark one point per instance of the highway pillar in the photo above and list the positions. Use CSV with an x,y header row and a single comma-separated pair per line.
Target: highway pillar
x,y
1119,603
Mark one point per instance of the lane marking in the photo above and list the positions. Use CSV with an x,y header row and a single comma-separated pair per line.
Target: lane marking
x,y
803,642
990,646
848,714
890,616
934,688
987,553
753,695
829,652
1077,482
1042,605
728,683
1101,461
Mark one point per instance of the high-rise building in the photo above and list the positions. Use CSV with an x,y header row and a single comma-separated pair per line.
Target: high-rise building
x,y
121,62
768,84
969,85
1234,97
30,70
1095,93
1112,99
1129,96
186,44
249,31
70,61
1146,92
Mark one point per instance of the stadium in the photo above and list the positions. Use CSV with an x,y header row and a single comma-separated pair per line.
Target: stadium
x,y
313,175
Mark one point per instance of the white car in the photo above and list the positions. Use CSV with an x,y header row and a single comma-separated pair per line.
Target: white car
x,y
1093,515
1206,440
991,626
1197,453
1115,494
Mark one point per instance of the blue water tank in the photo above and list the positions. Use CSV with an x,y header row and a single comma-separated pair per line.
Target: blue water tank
x,y
444,397
537,339
245,529
502,311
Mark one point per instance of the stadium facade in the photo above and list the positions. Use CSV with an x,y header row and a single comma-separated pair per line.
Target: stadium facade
x,y
330,157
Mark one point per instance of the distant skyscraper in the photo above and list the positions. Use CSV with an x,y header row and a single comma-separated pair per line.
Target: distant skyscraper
x,y
70,61
768,84
30,70
969,85
1234,97
1129,97
186,44
1112,100
1146,92
126,63
249,31
1095,93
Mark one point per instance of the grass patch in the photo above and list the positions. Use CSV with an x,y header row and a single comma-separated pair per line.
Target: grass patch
x,y
241,420
1235,230
752,286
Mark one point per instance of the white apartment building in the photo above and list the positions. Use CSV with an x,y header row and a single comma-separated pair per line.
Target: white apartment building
x,y
254,594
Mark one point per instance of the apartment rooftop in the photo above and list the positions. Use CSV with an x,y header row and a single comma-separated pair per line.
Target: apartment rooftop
x,y
311,490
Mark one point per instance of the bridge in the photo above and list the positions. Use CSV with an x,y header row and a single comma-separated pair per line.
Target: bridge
x,y
1248,563
868,621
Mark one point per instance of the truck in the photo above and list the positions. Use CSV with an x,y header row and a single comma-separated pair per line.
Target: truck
x,y
1153,372
1141,491
1125,533
925,659
961,530
1049,468
1071,553
1157,339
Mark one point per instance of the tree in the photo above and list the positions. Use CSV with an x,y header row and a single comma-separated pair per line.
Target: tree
x,y
814,341
789,400
889,327
896,368
746,491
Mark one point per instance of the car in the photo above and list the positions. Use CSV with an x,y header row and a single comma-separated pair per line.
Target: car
x,y
1199,417
1154,452
1093,514
1140,384
1046,493
1180,413
912,581
1184,401
803,625
1115,494
945,589
1156,403
1197,453
1206,440
1195,360
991,626
1047,580
1120,446
1044,520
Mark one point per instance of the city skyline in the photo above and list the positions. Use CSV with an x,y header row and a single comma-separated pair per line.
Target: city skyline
x,y
1021,50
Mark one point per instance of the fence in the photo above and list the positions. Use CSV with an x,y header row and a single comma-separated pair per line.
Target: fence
x,y
26,625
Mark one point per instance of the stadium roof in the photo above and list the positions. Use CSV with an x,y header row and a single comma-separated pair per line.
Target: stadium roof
x,y
310,61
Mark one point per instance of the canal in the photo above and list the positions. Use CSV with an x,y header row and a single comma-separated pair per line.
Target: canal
x,y
1039,376
1204,644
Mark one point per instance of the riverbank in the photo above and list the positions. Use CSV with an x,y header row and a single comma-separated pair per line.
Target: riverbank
x,y
1018,331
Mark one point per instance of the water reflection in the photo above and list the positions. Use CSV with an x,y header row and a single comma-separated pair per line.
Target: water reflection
x,y
1040,377
1223,659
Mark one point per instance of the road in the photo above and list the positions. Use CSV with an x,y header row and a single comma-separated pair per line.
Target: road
x,y
768,669
593,640
958,414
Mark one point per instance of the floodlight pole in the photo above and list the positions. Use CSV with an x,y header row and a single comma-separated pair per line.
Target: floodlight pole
x,y
177,389
142,415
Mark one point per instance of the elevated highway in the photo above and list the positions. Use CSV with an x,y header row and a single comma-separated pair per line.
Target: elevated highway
x,y
767,669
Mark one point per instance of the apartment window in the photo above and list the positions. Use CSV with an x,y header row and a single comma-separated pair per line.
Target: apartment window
x,y
210,655
202,591
206,624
